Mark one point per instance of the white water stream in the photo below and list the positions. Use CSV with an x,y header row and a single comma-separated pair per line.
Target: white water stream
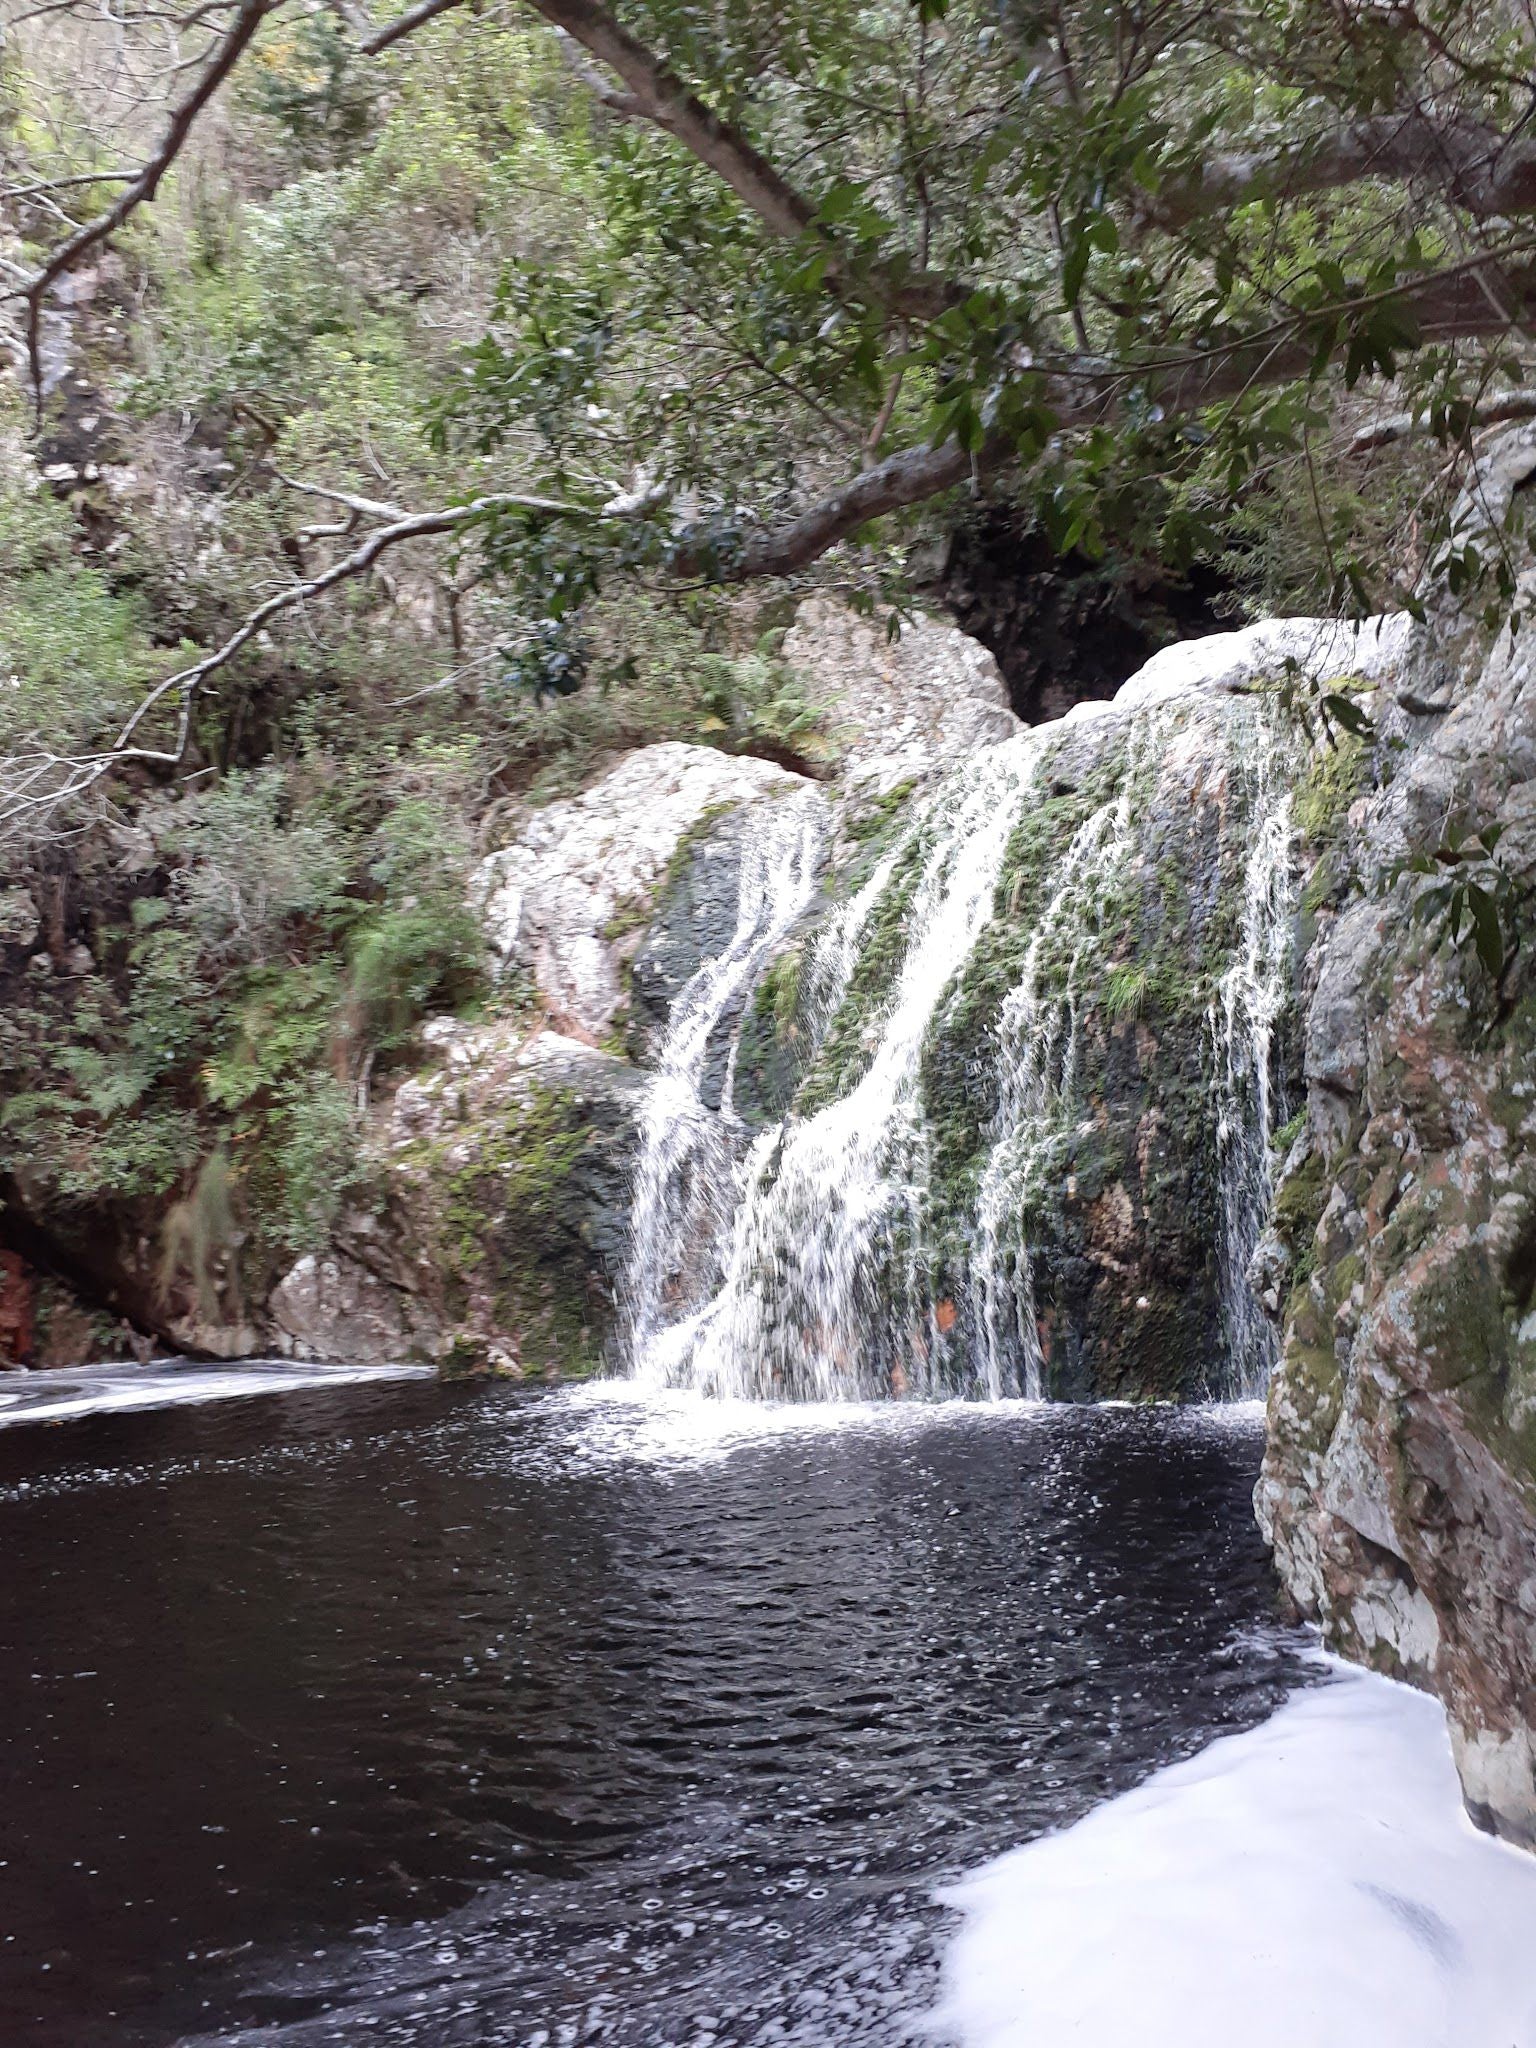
x,y
689,1154
833,1203
821,1259
1242,1021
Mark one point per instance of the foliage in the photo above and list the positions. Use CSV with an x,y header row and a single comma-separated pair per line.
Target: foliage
x,y
220,1045
454,274
74,652
1125,990
248,875
1477,895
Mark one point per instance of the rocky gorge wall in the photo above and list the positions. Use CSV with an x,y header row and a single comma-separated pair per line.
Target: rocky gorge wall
x,y
1039,975
1399,1485
1058,1068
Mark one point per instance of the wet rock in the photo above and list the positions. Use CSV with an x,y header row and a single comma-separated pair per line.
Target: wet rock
x,y
568,902
20,920
1399,1482
18,1310
333,1309
695,919
502,1214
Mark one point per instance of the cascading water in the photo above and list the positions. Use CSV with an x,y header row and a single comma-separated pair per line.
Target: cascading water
x,y
823,1283
1243,1018
1123,874
1037,1053
686,1176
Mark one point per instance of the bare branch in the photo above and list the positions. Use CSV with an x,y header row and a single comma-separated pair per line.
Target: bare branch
x,y
146,184
413,18
40,781
369,508
1485,173
50,185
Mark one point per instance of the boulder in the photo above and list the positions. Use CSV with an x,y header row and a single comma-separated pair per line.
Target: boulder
x,y
502,1218
905,707
568,902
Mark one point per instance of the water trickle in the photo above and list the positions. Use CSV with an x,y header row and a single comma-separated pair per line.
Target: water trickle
x,y
1250,1001
687,1172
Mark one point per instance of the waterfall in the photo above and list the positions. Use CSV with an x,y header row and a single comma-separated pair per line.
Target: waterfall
x,y
1061,935
687,1171
821,1285
1037,1053
1250,1000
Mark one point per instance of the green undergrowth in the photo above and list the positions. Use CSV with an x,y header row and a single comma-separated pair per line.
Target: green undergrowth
x,y
235,1000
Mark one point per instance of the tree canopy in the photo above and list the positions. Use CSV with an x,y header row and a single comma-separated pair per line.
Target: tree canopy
x,y
745,289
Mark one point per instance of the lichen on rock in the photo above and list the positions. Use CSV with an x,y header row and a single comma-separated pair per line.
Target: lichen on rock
x,y
1399,1482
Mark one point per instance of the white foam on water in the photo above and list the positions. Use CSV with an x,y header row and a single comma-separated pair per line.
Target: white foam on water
x,y
68,1392
1313,1883
633,1421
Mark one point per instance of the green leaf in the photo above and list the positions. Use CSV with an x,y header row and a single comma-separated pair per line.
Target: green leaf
x,y
1074,269
840,203
1488,931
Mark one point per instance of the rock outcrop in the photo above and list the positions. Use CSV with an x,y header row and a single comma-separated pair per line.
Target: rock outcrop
x,y
503,1177
1399,1485
569,900
904,707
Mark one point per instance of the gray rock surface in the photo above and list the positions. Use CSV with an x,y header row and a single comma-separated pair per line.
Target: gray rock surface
x,y
568,901
334,1309
904,707
1399,1483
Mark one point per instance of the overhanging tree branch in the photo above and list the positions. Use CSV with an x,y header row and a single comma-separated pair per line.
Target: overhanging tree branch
x,y
38,780
656,94
412,19
1080,393
1486,174
226,55
1502,408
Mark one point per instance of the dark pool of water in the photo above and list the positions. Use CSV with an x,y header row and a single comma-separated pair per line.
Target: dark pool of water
x,y
401,1714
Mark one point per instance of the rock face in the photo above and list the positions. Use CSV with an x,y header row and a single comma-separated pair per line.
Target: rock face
x,y
569,901
1399,1485
1013,1083
906,707
505,1176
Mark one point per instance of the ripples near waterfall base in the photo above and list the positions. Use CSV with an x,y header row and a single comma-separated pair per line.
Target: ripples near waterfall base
x,y
413,1715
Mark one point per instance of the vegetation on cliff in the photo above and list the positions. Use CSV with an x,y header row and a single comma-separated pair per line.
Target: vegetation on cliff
x,y
402,401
